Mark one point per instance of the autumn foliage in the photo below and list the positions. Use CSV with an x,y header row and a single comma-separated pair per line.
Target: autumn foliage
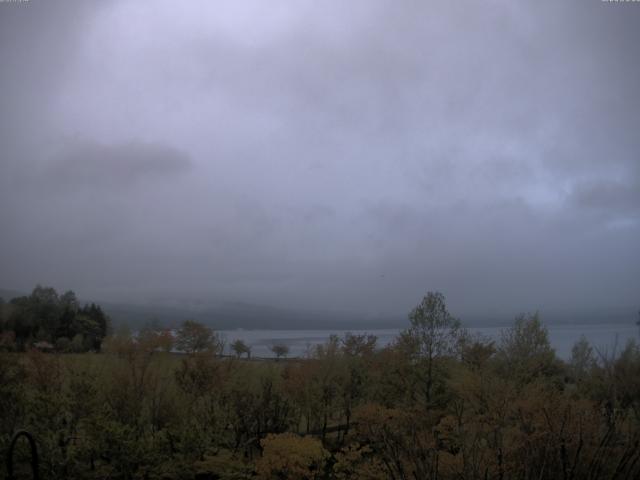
x,y
438,403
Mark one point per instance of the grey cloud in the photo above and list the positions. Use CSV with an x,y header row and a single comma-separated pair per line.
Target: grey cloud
x,y
318,213
88,164
323,154
616,198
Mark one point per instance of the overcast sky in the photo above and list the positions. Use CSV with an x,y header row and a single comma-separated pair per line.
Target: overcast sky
x,y
323,154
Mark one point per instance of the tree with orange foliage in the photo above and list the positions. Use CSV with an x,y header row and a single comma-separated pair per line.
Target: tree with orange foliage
x,y
289,456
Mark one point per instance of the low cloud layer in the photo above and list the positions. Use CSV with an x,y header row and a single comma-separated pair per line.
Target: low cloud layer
x,y
323,155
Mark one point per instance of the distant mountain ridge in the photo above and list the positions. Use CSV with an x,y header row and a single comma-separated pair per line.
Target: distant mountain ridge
x,y
224,315
227,315
231,315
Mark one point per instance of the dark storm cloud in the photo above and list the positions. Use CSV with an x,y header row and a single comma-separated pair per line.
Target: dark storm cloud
x,y
322,154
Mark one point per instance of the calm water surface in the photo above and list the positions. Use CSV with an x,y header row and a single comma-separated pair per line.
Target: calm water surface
x,y
605,337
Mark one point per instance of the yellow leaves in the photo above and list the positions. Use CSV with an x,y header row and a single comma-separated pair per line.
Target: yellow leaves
x,y
289,456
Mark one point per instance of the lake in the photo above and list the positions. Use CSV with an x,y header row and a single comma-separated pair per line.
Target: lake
x,y
604,337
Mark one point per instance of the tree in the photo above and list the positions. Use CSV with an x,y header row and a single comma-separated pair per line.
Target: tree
x,y
240,348
525,351
90,329
194,337
289,456
358,345
69,300
476,350
582,358
44,315
280,350
119,342
77,343
198,374
434,333
165,340
100,319
44,295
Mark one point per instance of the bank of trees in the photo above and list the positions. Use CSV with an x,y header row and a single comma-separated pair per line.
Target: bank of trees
x,y
438,403
51,321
